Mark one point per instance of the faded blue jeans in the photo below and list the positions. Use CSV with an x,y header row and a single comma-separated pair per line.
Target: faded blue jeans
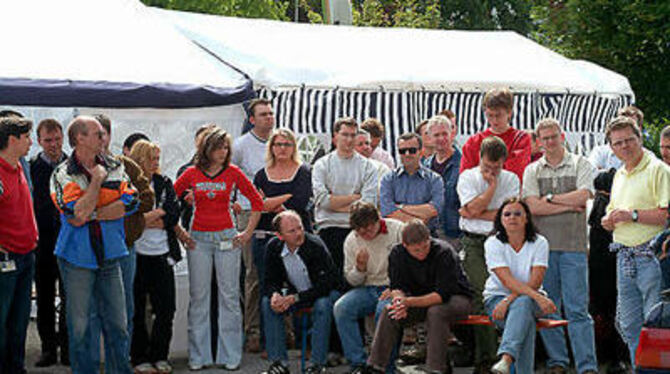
x,y
106,284
226,262
518,339
15,287
636,295
567,283
128,265
275,333
357,303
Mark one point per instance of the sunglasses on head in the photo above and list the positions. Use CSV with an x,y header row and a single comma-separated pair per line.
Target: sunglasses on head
x,y
516,213
410,150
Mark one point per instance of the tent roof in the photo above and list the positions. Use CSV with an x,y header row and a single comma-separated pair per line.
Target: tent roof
x,y
113,53
281,53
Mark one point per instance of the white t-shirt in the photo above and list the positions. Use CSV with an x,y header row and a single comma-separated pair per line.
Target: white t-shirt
x,y
153,242
499,255
471,184
249,155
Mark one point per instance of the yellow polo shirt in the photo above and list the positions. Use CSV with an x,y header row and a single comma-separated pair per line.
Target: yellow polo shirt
x,y
647,186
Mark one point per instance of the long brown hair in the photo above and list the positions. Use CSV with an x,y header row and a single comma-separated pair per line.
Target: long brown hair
x,y
213,140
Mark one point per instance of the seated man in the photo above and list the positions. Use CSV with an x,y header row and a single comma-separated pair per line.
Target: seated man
x,y
366,252
427,283
299,273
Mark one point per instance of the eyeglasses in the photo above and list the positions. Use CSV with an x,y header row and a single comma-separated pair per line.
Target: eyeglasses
x,y
549,138
628,141
410,150
283,145
516,213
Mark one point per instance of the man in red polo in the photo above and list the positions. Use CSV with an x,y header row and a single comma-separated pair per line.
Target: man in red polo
x,y
18,239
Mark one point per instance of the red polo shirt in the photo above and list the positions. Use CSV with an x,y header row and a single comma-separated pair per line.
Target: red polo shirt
x,y
18,229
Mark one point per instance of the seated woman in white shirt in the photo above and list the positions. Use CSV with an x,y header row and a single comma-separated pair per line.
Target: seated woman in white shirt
x,y
517,258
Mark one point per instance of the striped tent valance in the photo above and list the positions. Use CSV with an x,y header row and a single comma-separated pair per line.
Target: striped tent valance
x,y
308,110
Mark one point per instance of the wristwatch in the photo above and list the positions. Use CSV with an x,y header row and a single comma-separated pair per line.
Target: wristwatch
x,y
635,215
550,197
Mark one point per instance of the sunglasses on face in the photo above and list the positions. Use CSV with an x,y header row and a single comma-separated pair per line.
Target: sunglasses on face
x,y
283,145
516,213
410,150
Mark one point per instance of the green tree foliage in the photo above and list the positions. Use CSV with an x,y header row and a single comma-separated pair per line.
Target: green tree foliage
x,y
631,37
397,13
269,9
487,15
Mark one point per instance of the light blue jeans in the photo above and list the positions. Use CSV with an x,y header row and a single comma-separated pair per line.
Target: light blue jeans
x,y
105,283
635,298
208,253
275,333
518,339
357,303
567,283
128,265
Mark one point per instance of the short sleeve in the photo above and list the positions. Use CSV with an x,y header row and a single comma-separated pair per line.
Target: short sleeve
x,y
467,186
541,252
662,185
530,185
494,253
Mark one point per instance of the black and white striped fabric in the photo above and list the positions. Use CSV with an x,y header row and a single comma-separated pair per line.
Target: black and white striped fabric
x,y
314,110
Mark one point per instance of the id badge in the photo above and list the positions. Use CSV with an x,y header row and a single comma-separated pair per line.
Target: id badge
x,y
7,266
226,245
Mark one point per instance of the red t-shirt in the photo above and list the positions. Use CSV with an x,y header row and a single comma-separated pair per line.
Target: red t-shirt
x,y
518,150
212,196
18,229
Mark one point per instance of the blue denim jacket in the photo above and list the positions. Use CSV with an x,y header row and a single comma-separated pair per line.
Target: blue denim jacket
x,y
450,205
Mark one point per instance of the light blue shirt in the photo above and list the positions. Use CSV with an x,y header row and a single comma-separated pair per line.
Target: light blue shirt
x,y
422,187
296,269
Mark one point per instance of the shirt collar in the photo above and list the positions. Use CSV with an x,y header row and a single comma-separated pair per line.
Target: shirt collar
x,y
287,252
383,228
567,156
421,172
644,161
49,161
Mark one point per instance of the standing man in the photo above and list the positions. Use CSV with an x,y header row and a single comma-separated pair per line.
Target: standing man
x,y
50,138
412,190
498,105
602,157
482,191
93,194
18,239
249,154
362,145
301,262
376,130
636,213
339,179
556,188
665,144
445,162
428,149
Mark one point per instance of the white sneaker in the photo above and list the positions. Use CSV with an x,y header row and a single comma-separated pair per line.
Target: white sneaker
x,y
195,367
145,368
163,367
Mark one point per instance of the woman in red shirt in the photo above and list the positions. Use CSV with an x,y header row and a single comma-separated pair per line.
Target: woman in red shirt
x,y
212,181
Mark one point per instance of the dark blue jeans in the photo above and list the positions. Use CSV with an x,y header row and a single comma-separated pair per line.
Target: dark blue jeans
x,y
15,312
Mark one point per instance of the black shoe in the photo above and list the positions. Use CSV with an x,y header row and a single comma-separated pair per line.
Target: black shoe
x,y
47,359
277,368
315,369
366,369
64,358
618,367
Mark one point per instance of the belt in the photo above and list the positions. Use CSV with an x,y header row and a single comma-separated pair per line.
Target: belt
x,y
475,236
629,254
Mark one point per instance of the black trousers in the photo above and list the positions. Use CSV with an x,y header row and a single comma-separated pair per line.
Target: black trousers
x,y
334,238
154,279
46,278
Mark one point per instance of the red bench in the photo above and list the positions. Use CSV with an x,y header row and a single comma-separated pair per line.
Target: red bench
x,y
542,323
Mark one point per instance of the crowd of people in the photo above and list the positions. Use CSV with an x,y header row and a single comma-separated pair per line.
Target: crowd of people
x,y
495,227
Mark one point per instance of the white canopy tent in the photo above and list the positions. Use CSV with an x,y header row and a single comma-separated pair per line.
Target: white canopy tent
x,y
115,57
316,73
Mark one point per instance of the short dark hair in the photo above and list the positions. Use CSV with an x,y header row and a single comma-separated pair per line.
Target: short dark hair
x,y
374,127
499,229
346,121
134,138
665,133
13,126
363,214
255,102
276,222
493,148
409,136
10,113
421,126
415,232
105,121
633,112
621,123
499,98
48,125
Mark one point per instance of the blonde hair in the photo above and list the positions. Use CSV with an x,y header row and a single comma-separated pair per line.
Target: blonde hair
x,y
284,133
546,123
142,151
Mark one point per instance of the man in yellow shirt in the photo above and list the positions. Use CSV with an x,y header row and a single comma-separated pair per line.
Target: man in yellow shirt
x,y
636,213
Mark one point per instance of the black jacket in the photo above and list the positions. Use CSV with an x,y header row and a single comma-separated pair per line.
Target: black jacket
x,y
314,254
166,198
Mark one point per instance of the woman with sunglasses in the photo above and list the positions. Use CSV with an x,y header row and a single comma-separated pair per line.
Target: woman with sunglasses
x,y
517,258
285,183
212,179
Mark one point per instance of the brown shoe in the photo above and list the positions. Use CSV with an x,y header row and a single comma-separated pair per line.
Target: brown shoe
x,y
253,343
556,370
